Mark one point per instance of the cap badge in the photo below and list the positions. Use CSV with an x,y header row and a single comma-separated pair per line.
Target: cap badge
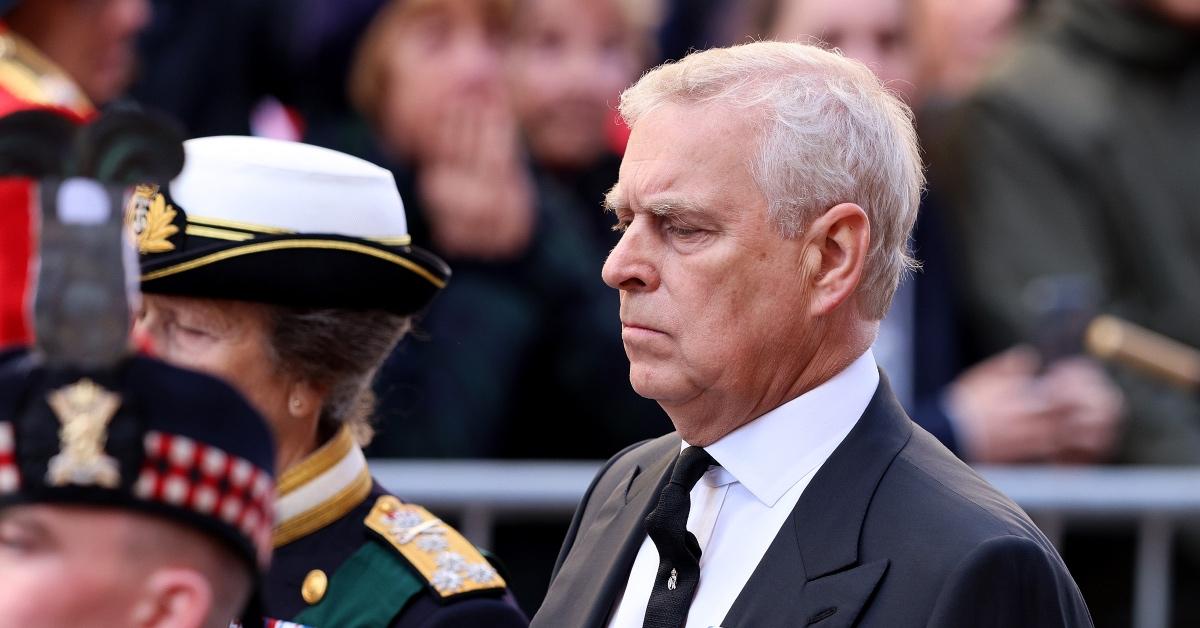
x,y
84,409
152,220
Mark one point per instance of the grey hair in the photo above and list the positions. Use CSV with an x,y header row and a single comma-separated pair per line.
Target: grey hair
x,y
829,132
340,351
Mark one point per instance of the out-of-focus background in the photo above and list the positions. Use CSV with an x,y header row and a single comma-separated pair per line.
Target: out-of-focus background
x,y
1047,339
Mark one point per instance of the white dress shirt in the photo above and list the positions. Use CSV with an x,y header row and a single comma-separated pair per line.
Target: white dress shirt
x,y
738,508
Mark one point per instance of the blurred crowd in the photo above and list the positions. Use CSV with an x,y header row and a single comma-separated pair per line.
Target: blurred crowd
x,y
1062,143
497,119
1061,158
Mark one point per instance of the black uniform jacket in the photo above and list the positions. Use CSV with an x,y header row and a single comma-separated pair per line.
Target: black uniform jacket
x,y
341,561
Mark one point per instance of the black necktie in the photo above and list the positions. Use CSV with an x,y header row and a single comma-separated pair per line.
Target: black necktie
x,y
678,550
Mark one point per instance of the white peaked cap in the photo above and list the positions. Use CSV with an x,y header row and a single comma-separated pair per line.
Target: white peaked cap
x,y
288,185
284,223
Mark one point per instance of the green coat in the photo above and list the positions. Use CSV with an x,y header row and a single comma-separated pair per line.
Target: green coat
x,y
1080,155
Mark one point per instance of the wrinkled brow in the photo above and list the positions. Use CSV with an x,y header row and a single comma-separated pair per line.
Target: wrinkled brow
x,y
30,522
668,207
616,202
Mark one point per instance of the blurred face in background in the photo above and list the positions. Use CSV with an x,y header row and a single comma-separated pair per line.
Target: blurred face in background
x,y
1183,12
93,41
439,54
567,65
875,32
959,38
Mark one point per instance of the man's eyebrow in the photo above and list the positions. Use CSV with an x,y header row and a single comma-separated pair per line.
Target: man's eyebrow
x,y
614,201
669,206
28,522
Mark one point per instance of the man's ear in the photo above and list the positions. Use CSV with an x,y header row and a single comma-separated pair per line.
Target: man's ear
x,y
839,241
173,597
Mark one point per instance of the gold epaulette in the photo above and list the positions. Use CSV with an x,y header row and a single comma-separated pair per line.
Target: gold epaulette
x,y
445,559
31,77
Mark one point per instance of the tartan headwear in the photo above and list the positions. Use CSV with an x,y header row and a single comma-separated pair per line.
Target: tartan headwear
x,y
144,436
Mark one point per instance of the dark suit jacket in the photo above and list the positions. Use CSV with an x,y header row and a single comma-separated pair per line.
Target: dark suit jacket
x,y
893,531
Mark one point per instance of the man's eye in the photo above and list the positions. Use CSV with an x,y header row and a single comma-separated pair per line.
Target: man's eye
x,y
14,539
682,231
15,543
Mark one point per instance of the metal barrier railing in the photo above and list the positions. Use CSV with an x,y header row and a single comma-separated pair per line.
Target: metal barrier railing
x,y
1157,499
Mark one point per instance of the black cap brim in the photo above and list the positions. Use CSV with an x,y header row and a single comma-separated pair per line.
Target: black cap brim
x,y
301,270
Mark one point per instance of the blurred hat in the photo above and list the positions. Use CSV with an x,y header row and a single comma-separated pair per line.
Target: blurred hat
x,y
285,223
140,435
82,421
81,173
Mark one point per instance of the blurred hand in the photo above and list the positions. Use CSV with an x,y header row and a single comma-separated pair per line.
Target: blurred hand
x,y
1091,408
1000,412
475,189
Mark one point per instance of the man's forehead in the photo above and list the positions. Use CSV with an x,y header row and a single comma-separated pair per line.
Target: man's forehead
x,y
48,513
683,157
711,124
90,532
42,519
21,515
664,201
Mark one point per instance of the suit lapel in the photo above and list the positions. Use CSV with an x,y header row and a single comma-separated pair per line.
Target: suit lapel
x,y
813,561
832,601
597,568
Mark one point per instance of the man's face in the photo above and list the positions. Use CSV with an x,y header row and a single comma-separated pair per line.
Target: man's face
x,y
65,566
93,41
712,297
569,61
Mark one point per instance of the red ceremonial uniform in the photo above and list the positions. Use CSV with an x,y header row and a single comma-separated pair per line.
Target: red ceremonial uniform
x,y
28,80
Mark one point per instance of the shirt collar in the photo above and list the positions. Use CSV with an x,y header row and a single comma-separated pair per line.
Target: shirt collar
x,y
771,453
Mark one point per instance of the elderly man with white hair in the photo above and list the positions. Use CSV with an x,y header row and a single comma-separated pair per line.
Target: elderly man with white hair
x,y
766,199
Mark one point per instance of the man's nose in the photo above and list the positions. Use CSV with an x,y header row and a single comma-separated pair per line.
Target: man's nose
x,y
630,265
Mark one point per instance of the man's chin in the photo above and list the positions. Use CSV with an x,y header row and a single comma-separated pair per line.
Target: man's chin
x,y
655,384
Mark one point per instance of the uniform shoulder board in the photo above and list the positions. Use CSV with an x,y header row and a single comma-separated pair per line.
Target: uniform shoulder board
x,y
447,561
29,76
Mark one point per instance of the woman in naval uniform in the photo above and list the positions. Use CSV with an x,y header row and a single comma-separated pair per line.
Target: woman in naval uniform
x,y
288,270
